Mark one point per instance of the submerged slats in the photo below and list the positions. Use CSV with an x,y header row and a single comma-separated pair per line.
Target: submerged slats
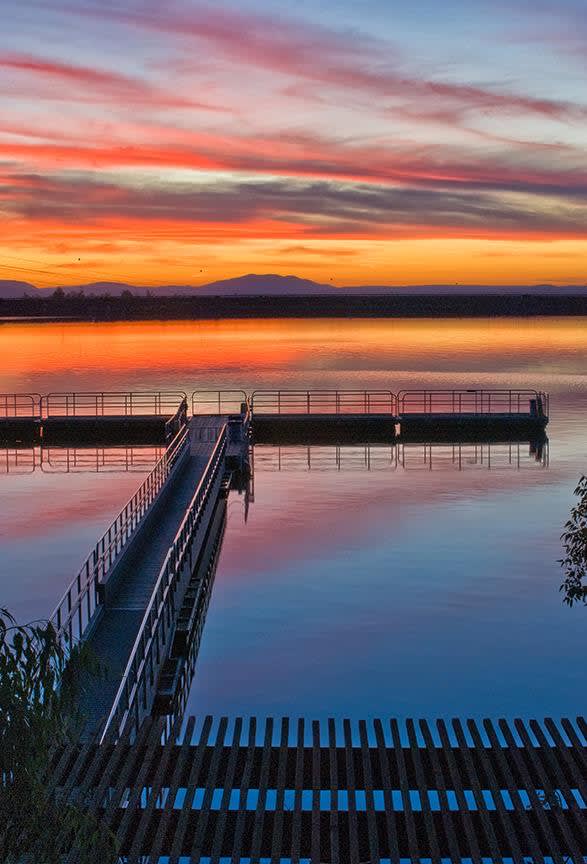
x,y
494,788
441,788
390,820
431,838
457,784
503,758
211,782
511,795
475,787
535,803
398,753
560,782
198,756
217,843
178,772
244,789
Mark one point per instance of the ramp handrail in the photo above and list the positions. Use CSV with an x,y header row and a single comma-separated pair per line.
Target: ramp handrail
x,y
112,403
472,401
140,675
323,402
16,405
80,601
223,402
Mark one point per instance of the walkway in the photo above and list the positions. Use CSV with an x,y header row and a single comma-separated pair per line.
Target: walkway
x,y
131,582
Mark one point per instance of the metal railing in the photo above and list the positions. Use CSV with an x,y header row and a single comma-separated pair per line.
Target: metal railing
x,y
139,681
472,402
113,404
205,402
20,405
79,603
323,402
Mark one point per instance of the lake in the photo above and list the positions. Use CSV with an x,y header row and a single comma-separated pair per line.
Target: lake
x,y
363,582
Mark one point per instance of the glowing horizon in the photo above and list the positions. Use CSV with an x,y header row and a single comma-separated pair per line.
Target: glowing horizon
x,y
372,146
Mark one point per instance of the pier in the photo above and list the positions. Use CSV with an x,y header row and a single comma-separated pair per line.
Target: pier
x,y
134,601
282,789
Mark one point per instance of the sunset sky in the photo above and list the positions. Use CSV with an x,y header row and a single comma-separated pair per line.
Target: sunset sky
x,y
358,141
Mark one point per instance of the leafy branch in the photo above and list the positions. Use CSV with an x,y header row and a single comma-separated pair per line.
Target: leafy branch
x,y
574,539
38,685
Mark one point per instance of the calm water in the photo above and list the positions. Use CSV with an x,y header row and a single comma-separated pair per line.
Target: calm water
x,y
396,590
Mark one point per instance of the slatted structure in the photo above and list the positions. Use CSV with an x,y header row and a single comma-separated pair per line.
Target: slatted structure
x,y
337,791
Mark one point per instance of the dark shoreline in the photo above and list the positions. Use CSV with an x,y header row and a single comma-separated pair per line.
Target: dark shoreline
x,y
187,308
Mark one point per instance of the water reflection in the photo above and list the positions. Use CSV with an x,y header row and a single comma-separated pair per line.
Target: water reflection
x,y
79,460
432,456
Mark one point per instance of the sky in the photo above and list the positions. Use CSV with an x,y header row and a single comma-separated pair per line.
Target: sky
x,y
349,141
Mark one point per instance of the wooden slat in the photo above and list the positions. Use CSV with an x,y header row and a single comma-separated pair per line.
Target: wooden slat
x,y
476,790
333,785
316,786
512,788
413,844
457,784
390,819
277,838
559,814
211,783
351,787
228,786
138,841
296,826
551,843
370,800
579,750
262,799
493,783
432,848
441,787
244,788
176,778
136,787
192,785
577,772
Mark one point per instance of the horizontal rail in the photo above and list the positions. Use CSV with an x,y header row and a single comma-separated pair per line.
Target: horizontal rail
x,y
139,679
112,404
206,402
323,402
532,402
17,405
79,603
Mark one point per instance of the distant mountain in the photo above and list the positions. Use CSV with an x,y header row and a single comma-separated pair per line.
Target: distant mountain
x,y
273,285
9,288
267,284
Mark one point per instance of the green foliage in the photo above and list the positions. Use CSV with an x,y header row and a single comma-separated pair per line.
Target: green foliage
x,y
574,540
40,824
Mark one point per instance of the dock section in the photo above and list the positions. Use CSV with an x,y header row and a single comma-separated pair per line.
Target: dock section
x,y
341,791
123,603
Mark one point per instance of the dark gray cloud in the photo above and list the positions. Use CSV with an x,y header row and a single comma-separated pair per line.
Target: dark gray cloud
x,y
326,208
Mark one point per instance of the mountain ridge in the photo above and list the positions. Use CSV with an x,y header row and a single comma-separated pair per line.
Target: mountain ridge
x,y
277,285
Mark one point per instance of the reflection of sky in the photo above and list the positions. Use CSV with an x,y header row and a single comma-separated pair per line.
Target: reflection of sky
x,y
425,603
347,593
48,525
